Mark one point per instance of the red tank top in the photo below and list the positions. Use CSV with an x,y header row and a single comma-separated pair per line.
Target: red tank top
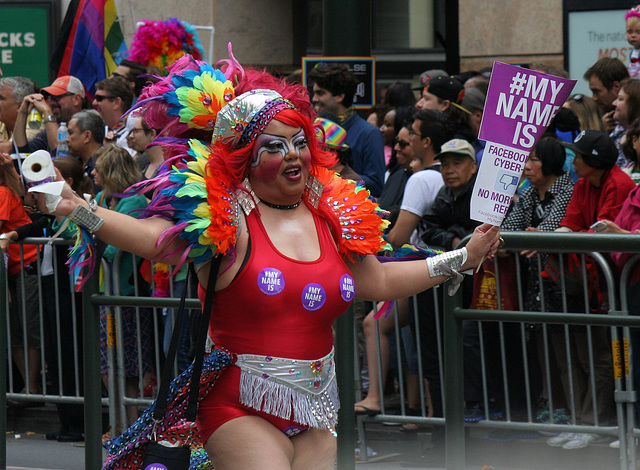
x,y
279,306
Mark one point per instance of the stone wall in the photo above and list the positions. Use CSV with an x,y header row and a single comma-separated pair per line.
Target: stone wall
x,y
260,31
510,31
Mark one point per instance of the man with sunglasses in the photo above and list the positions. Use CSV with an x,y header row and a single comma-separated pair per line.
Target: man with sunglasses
x,y
113,98
429,130
56,103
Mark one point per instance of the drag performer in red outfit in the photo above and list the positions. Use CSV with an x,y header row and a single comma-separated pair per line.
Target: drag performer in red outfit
x,y
297,244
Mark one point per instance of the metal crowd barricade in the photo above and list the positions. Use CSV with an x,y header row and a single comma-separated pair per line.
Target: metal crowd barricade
x,y
48,393
112,302
451,357
117,378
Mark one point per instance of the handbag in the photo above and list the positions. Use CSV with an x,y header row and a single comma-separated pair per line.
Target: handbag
x,y
574,282
161,455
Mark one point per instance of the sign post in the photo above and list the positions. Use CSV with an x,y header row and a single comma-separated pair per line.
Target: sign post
x,y
520,105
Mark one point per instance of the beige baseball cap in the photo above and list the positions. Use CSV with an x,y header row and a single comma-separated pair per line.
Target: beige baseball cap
x,y
458,147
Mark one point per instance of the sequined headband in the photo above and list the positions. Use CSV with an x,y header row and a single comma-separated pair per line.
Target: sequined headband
x,y
245,117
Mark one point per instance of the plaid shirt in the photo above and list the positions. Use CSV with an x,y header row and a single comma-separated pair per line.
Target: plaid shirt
x,y
521,215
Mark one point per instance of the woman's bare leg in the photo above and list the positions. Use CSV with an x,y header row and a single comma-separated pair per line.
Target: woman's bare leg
x,y
373,400
249,442
314,449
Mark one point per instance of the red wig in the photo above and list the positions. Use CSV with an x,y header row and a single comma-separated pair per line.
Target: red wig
x,y
233,165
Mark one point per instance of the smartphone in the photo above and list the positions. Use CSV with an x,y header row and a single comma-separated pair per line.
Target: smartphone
x,y
599,226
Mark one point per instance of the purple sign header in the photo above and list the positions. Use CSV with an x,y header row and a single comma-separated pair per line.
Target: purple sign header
x,y
520,105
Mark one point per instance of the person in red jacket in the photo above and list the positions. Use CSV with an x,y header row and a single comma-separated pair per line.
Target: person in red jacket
x,y
602,187
598,194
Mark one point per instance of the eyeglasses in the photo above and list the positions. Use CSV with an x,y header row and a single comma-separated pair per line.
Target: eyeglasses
x,y
99,98
136,129
57,98
116,74
401,143
412,133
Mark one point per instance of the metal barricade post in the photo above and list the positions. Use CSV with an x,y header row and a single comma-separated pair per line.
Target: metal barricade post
x,y
454,382
345,371
4,317
91,368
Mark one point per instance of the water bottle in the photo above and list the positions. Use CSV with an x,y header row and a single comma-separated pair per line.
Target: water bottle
x,y
63,147
34,119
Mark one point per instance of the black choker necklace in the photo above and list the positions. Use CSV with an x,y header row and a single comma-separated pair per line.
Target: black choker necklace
x,y
281,207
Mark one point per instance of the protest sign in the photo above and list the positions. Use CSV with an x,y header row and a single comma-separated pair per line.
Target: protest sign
x,y
519,107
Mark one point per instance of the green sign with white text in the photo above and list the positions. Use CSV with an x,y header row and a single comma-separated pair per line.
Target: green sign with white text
x,y
24,42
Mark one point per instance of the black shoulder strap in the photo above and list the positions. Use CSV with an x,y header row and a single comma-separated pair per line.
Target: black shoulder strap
x,y
163,390
203,332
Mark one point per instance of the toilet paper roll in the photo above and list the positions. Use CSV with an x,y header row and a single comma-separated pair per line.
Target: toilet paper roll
x,y
38,168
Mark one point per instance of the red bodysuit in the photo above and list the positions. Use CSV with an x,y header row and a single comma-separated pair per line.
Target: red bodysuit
x,y
276,306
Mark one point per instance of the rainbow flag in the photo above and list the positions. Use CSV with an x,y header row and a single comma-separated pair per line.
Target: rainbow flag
x,y
91,43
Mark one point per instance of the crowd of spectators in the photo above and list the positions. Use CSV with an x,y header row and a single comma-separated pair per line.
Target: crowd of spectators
x,y
579,173
418,155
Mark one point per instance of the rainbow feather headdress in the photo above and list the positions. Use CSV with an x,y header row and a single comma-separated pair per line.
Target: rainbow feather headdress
x,y
161,43
197,99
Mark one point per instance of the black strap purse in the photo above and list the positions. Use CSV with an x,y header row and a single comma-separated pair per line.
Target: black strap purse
x,y
158,456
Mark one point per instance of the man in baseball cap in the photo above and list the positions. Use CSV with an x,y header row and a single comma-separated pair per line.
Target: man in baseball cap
x,y
448,221
441,93
457,147
56,103
67,84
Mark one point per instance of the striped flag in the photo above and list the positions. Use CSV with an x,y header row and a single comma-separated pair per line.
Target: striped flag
x,y
91,43
114,46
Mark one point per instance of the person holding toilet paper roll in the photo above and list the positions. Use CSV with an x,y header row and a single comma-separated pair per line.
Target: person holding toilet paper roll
x,y
22,285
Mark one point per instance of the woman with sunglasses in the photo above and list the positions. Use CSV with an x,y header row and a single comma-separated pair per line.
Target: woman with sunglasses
x,y
296,243
398,169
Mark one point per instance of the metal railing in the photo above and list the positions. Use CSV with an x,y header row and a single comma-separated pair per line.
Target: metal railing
x,y
523,420
450,358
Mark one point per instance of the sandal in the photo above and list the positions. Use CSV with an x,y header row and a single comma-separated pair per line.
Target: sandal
x,y
365,411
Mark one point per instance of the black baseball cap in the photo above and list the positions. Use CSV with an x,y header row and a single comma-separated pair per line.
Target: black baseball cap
x,y
596,148
446,88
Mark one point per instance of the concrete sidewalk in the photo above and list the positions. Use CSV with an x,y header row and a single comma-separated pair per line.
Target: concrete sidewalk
x,y
389,448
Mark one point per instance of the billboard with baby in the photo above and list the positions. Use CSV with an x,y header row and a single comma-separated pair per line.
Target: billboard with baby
x,y
520,105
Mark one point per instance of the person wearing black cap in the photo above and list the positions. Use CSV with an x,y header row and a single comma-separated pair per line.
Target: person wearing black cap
x,y
446,94
441,93
598,194
602,187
